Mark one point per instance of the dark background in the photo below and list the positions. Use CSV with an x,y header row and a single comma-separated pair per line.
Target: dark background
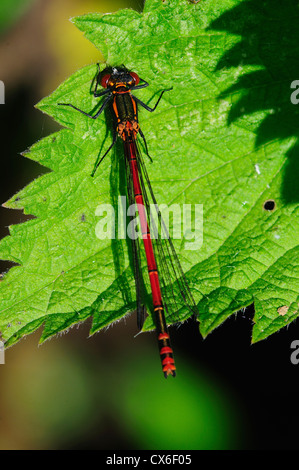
x,y
105,392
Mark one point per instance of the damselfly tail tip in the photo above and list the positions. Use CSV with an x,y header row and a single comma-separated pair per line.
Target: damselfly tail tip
x,y
169,372
166,354
169,367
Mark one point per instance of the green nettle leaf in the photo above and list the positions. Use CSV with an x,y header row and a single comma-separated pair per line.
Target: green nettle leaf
x,y
224,137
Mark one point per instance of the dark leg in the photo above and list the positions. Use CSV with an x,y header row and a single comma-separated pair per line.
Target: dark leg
x,y
96,95
99,160
106,101
137,87
148,108
97,80
146,149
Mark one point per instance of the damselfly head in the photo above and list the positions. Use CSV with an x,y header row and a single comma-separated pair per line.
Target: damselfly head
x,y
115,77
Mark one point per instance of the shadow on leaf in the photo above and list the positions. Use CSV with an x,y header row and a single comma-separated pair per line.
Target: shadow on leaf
x,y
270,42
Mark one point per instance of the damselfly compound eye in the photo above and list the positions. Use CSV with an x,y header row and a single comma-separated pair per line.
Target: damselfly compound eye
x,y
105,80
135,77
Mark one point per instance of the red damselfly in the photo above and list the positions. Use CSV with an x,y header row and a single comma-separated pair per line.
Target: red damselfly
x,y
169,289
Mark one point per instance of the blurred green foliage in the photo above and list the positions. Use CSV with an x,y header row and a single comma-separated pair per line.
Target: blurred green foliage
x,y
11,11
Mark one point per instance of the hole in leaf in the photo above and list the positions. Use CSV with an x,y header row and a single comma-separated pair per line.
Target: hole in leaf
x,y
269,205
